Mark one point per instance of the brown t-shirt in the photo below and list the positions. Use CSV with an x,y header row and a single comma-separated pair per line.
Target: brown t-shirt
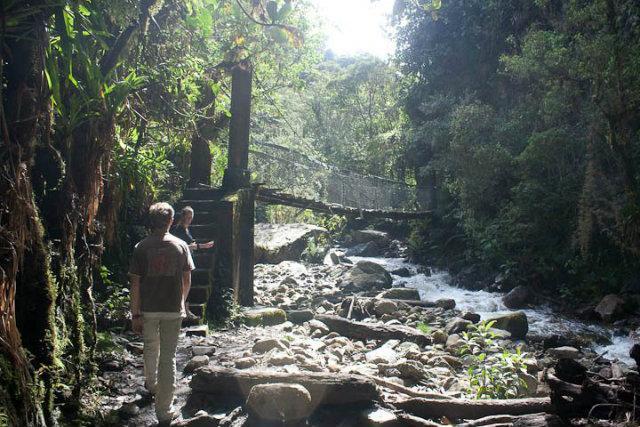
x,y
160,260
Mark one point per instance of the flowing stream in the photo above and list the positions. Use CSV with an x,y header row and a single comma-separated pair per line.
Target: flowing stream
x,y
542,320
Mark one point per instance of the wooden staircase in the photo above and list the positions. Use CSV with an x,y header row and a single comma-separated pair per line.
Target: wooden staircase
x,y
203,230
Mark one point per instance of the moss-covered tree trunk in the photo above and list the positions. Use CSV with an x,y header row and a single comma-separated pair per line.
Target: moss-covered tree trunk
x,y
27,291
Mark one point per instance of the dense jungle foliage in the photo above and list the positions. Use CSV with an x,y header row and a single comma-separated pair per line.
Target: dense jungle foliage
x,y
524,120
520,118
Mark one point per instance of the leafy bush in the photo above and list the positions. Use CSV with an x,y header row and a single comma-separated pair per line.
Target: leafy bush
x,y
492,374
316,249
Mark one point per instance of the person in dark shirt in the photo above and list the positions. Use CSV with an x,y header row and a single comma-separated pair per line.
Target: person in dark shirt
x,y
181,230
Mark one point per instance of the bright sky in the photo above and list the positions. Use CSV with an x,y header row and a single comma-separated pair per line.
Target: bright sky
x,y
357,26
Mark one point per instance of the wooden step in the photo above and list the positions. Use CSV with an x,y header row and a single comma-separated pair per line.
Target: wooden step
x,y
204,232
202,193
204,217
200,277
199,294
198,309
197,331
199,205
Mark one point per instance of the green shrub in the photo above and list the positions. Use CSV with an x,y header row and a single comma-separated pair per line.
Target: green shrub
x,y
492,374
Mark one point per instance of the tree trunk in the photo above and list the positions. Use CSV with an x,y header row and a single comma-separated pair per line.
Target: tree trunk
x,y
27,289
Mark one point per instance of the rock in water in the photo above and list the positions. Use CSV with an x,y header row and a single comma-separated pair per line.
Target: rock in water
x,y
275,243
279,402
519,297
515,323
610,308
364,249
409,294
367,275
402,272
364,236
634,353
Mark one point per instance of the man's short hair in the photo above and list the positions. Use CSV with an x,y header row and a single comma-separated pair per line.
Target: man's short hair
x,y
160,215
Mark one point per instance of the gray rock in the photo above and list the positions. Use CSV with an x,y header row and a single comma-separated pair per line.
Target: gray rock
x,y
263,346
610,308
402,272
332,257
129,410
518,297
316,325
202,350
515,323
364,236
446,303
369,249
379,417
245,362
278,402
457,325
439,337
470,316
281,359
383,307
298,317
565,352
195,363
274,243
384,354
135,347
409,294
367,275
200,420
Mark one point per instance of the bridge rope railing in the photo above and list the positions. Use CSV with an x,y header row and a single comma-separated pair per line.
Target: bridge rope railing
x,y
300,175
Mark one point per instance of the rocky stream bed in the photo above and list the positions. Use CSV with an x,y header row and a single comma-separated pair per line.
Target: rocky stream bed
x,y
368,339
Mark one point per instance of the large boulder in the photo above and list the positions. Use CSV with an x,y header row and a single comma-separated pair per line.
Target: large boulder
x,y
410,294
380,238
367,275
369,249
274,243
515,323
519,297
610,308
279,403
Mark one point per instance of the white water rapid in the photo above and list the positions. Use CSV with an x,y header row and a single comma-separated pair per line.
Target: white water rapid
x,y
542,320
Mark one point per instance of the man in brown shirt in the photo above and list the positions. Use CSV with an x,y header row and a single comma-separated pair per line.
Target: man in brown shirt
x,y
160,275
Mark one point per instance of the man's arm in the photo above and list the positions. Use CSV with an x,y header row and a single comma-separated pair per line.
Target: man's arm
x,y
186,286
135,295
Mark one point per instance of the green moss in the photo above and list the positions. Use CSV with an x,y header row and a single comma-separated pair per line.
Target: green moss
x,y
264,317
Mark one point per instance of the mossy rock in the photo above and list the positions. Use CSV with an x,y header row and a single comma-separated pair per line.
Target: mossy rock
x,y
264,317
515,323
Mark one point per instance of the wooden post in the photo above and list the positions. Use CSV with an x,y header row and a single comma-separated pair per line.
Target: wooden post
x,y
237,176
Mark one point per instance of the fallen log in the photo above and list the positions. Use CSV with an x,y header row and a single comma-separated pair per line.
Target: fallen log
x,y
406,390
531,420
373,331
413,421
325,389
472,409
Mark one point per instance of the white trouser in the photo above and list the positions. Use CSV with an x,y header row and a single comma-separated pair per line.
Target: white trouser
x,y
160,342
